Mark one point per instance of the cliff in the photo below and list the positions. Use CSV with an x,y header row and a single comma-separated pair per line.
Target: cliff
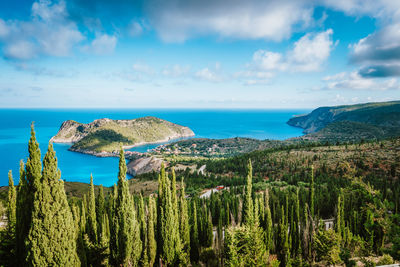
x,y
376,120
104,136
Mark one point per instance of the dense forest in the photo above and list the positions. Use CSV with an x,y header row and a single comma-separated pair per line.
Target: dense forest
x,y
297,210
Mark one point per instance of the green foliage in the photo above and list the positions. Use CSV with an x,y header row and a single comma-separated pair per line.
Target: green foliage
x,y
128,245
385,260
51,236
245,247
327,246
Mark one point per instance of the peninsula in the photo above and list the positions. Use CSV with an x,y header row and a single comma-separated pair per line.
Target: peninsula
x,y
103,137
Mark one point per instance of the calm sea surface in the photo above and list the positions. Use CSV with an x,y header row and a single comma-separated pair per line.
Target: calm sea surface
x,y
15,132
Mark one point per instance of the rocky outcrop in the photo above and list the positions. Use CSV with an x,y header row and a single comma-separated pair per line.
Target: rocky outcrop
x,y
144,165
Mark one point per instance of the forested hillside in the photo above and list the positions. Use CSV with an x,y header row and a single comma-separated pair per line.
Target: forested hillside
x,y
296,206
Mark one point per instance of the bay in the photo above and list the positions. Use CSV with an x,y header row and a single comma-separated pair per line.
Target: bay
x,y
15,133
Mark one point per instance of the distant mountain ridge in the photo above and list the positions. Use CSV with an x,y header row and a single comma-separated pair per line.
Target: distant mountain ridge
x,y
106,135
371,120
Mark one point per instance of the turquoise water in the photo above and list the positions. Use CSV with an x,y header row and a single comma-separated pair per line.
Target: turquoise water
x,y
15,132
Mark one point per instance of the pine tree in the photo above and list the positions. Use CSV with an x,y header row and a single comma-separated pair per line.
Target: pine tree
x,y
128,233
248,208
92,221
51,240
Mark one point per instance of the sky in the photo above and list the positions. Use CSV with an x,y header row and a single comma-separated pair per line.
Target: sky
x,y
262,54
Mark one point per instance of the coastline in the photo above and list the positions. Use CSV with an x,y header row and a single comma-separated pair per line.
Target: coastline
x,y
127,153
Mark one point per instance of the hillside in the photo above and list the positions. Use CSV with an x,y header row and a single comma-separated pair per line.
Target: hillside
x,y
376,120
106,135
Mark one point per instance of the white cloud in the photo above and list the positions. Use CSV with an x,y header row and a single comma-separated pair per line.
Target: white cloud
x,y
309,53
209,75
175,71
176,21
102,44
143,68
20,49
354,81
49,32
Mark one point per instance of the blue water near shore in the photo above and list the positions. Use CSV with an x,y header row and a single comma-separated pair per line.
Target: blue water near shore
x,y
15,133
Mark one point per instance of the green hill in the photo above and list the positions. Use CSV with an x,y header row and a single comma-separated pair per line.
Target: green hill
x,y
106,135
351,122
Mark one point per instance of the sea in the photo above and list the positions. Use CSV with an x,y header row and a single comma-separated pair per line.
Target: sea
x,y
15,133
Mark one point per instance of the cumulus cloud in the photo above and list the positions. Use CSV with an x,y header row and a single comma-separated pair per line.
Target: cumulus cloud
x,y
49,32
309,53
354,81
176,21
175,71
102,44
378,53
210,74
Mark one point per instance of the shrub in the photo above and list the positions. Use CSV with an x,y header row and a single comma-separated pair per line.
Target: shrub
x,y
385,260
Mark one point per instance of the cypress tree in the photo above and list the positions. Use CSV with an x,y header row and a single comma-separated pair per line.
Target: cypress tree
x,y
128,233
143,233
268,223
248,209
312,193
7,235
92,222
100,209
184,229
194,236
169,226
152,247
51,240
297,238
11,203
283,242
29,180
338,218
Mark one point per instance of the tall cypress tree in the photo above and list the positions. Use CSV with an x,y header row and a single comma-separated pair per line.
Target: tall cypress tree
x,y
248,209
51,240
7,236
297,239
312,193
128,233
194,236
29,180
100,210
184,229
169,225
144,259
92,221
152,247
268,223
11,203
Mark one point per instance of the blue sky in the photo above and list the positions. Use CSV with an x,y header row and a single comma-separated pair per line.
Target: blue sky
x,y
198,54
